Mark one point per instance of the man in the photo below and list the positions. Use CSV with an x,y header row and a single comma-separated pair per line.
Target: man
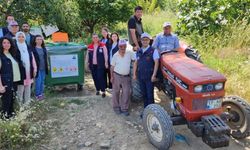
x,y
145,69
120,69
9,19
166,41
29,36
13,29
135,28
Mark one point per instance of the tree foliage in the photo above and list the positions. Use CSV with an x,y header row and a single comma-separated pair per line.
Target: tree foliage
x,y
211,15
103,12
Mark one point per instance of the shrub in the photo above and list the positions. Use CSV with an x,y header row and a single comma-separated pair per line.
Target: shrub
x,y
211,15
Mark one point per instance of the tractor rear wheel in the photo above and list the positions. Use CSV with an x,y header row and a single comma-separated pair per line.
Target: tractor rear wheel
x,y
158,127
239,109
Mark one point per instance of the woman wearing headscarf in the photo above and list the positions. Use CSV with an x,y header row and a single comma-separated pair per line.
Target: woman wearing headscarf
x,y
9,75
28,71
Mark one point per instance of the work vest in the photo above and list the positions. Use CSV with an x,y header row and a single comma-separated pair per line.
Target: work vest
x,y
145,64
99,55
6,72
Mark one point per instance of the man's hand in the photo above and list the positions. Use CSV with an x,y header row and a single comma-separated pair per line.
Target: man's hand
x,y
134,77
153,78
136,48
2,89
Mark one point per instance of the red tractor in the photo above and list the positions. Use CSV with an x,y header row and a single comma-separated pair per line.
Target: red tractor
x,y
199,99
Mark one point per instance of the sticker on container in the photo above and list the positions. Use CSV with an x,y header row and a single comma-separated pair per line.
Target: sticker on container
x,y
64,65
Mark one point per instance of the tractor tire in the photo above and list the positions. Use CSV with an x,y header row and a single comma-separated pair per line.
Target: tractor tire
x,y
136,93
240,110
158,126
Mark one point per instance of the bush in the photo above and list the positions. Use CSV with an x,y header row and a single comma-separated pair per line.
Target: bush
x,y
27,127
211,15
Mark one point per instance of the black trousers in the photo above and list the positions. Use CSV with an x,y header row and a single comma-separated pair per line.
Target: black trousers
x,y
98,75
8,103
108,80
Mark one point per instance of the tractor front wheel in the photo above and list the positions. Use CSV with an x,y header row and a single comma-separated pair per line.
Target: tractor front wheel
x,y
158,127
239,120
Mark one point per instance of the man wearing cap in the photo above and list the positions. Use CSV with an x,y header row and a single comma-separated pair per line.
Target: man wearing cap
x,y
120,69
135,28
145,69
13,29
166,41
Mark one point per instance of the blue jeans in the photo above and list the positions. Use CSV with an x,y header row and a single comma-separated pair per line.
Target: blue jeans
x,y
40,82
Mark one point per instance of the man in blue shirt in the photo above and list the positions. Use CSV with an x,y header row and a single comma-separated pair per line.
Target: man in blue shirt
x,y
166,41
145,69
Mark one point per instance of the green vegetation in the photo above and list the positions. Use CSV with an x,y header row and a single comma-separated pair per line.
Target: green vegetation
x,y
27,127
226,51
211,15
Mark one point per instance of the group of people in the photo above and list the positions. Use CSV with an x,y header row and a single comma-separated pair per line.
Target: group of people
x,y
23,59
109,57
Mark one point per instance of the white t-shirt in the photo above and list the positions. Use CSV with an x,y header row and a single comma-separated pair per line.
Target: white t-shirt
x,y
122,64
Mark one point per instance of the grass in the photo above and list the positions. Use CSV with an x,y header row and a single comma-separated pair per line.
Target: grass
x,y
152,23
228,52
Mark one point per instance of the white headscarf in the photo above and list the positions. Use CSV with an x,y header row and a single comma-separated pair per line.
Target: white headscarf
x,y
23,48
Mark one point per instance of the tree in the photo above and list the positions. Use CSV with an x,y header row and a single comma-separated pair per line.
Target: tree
x,y
103,12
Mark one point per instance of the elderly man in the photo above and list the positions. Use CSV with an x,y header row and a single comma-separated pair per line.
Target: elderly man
x,y
14,28
120,70
166,41
145,69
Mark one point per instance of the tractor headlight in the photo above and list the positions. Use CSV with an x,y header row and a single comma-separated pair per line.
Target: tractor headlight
x,y
198,88
218,86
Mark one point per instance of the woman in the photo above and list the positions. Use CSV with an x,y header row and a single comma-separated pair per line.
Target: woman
x,y
9,74
113,48
106,40
97,60
28,71
40,53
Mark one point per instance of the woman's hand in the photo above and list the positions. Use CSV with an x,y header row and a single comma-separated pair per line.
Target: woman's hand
x,y
2,89
34,74
106,65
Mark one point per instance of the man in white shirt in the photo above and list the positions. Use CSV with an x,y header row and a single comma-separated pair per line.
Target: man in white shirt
x,y
120,70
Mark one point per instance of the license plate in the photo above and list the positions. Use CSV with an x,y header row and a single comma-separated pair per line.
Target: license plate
x,y
213,104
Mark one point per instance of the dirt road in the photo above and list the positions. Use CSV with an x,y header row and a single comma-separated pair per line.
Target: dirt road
x,y
90,124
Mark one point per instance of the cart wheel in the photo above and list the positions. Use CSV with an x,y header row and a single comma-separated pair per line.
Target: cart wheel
x,y
158,127
239,109
79,87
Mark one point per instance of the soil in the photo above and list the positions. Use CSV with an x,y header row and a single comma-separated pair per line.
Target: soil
x,y
91,124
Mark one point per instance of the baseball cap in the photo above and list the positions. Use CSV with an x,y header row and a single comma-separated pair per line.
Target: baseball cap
x,y
13,23
166,24
122,42
145,35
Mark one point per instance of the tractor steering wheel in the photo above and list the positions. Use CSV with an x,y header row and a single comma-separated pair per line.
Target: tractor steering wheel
x,y
171,51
